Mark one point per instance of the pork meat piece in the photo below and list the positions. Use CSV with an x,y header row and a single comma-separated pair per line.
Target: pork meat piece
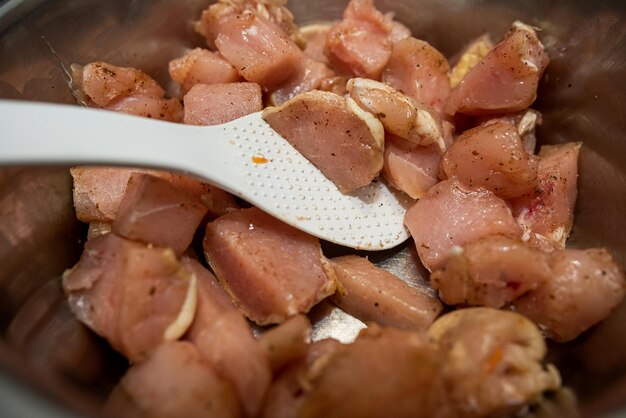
x,y
525,121
288,342
372,294
399,114
506,79
547,213
398,373
586,285
410,168
419,71
98,191
452,214
285,393
360,45
225,340
213,104
174,381
272,270
491,271
153,211
259,49
135,296
201,66
335,134
307,77
314,36
121,89
492,156
215,18
492,361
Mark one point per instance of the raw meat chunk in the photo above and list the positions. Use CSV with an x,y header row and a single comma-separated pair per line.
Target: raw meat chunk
x,y
201,66
409,167
213,104
287,342
308,77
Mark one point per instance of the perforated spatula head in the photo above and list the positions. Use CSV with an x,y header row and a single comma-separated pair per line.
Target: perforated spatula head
x,y
245,157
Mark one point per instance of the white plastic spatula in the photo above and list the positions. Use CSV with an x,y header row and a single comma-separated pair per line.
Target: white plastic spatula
x,y
245,157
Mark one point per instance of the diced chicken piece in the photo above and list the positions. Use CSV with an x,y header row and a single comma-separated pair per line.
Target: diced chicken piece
x,y
335,85
314,36
154,211
397,112
492,156
360,45
335,134
174,381
469,58
525,121
410,168
287,342
225,340
98,228
51,340
419,71
201,66
398,30
259,49
213,104
98,191
285,394
586,285
125,90
492,272
492,363
308,77
215,199
451,214
272,270
374,295
547,214
402,371
136,296
213,19
506,79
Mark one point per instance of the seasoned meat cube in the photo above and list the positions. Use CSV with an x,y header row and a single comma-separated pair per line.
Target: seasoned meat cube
x,y
213,104
201,66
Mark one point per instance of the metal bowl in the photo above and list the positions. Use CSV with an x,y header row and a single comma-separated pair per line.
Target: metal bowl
x,y
581,98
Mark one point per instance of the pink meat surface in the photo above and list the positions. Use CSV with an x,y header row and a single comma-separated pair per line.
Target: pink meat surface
x,y
307,77
506,79
399,371
409,167
419,71
201,66
492,156
125,90
526,121
452,214
493,361
492,272
272,270
336,140
174,381
130,293
288,342
372,294
259,49
154,211
547,214
360,44
586,285
225,340
315,41
98,191
287,389
213,104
